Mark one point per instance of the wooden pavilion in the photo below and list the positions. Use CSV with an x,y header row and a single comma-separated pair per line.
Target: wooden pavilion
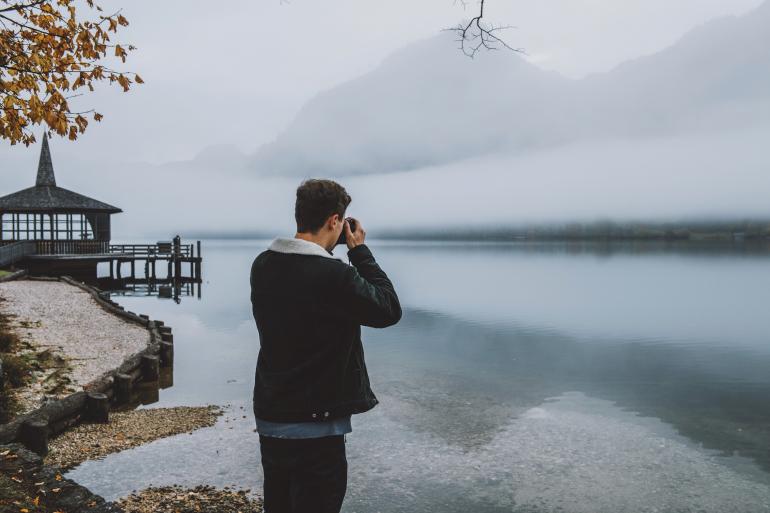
x,y
70,222
49,230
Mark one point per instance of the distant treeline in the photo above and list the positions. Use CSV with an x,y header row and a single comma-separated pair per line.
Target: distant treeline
x,y
602,230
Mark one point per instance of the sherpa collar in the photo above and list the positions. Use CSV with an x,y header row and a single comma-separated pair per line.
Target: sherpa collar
x,y
300,246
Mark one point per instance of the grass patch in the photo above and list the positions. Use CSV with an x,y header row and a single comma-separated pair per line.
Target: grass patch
x,y
8,341
16,369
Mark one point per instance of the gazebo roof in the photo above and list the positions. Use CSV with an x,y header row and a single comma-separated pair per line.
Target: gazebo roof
x,y
46,196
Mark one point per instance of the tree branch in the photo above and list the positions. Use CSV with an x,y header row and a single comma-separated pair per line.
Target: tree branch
x,y
476,34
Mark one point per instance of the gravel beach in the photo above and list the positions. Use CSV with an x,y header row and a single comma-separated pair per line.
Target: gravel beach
x,y
68,322
201,499
125,430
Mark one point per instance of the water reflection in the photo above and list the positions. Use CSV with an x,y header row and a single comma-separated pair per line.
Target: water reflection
x,y
521,378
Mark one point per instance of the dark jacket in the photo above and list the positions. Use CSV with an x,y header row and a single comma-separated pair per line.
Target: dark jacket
x,y
309,307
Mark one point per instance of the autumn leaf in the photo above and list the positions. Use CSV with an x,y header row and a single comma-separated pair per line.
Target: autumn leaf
x,y
47,50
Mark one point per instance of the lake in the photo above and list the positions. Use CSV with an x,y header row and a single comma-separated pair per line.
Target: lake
x,y
523,377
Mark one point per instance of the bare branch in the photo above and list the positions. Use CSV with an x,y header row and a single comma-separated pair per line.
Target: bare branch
x,y
476,35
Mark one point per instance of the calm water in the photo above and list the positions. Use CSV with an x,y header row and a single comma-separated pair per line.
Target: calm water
x,y
522,377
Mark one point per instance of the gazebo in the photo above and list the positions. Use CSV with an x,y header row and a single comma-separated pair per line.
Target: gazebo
x,y
62,221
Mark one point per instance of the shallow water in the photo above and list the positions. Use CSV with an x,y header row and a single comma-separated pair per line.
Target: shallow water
x,y
522,377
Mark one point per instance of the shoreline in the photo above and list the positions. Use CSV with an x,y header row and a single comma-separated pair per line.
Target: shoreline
x,y
102,355
61,322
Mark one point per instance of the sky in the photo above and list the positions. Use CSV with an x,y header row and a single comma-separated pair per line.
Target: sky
x,y
237,72
240,73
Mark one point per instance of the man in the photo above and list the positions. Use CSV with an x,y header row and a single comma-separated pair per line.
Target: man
x,y
311,376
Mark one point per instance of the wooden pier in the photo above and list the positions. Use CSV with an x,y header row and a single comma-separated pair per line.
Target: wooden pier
x,y
53,231
180,263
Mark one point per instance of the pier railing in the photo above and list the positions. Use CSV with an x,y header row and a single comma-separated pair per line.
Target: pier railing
x,y
15,251
159,249
72,247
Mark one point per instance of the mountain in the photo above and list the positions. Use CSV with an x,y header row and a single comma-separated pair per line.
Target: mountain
x,y
430,105
426,104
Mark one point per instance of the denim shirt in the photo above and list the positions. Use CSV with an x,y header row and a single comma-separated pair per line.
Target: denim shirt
x,y
332,427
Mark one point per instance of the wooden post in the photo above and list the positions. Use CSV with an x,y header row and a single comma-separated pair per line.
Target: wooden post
x,y
118,262
166,353
133,268
112,269
33,433
166,377
149,393
97,408
122,387
150,367
165,334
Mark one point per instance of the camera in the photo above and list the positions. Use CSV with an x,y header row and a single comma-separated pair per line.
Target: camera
x,y
352,222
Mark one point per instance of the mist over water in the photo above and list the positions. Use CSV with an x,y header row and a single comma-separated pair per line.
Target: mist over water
x,y
522,377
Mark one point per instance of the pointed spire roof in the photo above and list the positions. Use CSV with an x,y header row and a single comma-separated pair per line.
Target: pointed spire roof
x,y
47,197
45,176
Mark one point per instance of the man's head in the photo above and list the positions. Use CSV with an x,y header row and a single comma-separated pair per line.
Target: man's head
x,y
320,211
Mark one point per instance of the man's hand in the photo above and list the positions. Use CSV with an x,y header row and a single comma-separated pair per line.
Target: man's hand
x,y
354,238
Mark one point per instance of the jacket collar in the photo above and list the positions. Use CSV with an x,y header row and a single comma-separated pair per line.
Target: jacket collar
x,y
299,246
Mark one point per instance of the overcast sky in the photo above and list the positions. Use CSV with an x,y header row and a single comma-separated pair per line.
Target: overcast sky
x,y
237,72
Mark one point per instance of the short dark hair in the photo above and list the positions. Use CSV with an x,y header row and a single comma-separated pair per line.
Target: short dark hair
x,y
316,201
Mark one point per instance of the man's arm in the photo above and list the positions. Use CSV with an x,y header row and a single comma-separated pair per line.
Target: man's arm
x,y
367,293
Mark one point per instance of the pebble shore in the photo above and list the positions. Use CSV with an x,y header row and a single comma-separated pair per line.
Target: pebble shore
x,y
126,430
201,499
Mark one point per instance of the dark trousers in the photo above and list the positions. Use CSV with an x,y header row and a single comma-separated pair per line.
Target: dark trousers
x,y
308,475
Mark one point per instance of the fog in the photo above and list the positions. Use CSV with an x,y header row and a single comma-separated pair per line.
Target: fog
x,y
665,122
425,106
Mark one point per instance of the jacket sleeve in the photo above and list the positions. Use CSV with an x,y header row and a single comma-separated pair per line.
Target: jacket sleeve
x,y
367,293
